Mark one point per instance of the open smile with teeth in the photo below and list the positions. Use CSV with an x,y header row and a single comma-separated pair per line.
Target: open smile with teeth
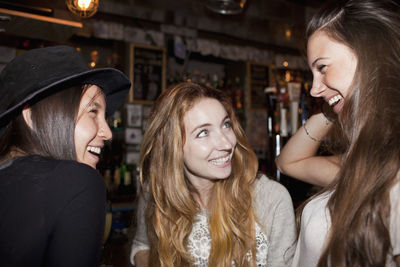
x,y
94,150
334,100
221,161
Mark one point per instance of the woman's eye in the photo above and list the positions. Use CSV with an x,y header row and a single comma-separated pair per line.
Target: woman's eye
x,y
202,133
321,68
95,111
227,124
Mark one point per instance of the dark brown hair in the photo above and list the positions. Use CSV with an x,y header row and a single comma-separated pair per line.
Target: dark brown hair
x,y
370,125
53,124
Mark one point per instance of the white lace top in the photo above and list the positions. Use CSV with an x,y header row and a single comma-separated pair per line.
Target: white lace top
x,y
200,243
275,236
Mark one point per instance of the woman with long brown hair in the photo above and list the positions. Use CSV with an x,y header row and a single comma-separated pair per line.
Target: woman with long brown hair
x,y
354,54
204,203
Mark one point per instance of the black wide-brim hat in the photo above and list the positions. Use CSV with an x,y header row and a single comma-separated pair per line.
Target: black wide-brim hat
x,y
41,72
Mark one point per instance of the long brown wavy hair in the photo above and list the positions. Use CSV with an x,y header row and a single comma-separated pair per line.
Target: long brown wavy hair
x,y
370,126
171,210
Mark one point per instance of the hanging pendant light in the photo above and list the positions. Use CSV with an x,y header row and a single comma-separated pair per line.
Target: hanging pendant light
x,y
83,8
226,7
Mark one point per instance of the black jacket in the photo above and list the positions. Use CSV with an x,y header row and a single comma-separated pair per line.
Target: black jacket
x,y
51,213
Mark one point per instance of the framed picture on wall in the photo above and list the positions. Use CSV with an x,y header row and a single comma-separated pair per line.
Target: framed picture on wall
x,y
133,157
147,71
258,78
134,115
133,136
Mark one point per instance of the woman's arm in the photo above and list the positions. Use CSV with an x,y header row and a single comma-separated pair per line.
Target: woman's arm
x,y
274,209
142,258
298,157
140,245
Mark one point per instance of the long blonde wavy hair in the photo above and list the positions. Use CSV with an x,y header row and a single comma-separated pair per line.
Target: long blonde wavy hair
x,y
171,210
370,125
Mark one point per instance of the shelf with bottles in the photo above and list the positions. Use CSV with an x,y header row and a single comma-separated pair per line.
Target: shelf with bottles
x,y
120,179
288,108
280,98
119,172
121,183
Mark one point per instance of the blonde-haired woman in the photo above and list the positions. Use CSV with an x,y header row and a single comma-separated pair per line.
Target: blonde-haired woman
x,y
204,204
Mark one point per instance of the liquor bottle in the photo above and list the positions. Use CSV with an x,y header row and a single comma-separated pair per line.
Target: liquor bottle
x,y
116,180
294,89
304,104
129,187
283,100
215,82
107,179
270,104
122,172
116,119
239,104
282,127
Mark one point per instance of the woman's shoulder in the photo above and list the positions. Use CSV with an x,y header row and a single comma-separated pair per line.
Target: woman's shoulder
x,y
270,195
273,207
52,183
395,194
46,169
78,173
268,188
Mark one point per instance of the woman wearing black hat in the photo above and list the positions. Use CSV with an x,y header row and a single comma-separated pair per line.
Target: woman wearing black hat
x,y
52,129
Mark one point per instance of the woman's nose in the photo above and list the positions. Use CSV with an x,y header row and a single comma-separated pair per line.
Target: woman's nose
x,y
317,88
104,130
223,142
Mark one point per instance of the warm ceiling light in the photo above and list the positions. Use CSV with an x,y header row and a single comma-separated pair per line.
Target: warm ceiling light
x,y
83,8
288,34
226,7
285,64
288,76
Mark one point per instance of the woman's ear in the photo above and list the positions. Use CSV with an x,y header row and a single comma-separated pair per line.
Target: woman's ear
x,y
26,113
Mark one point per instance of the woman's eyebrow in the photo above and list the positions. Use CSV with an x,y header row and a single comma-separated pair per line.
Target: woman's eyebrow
x,y
95,104
200,126
315,61
208,124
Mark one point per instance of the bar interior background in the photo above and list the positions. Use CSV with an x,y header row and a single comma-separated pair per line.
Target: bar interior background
x,y
252,49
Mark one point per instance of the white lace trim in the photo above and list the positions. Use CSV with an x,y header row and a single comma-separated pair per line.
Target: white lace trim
x,y
200,243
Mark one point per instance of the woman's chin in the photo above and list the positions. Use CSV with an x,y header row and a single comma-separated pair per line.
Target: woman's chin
x,y
338,107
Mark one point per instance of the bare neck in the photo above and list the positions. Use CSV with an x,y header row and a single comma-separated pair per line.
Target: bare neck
x,y
203,194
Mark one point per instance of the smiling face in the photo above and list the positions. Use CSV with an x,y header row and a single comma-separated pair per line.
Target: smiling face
x,y
333,66
91,128
209,144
